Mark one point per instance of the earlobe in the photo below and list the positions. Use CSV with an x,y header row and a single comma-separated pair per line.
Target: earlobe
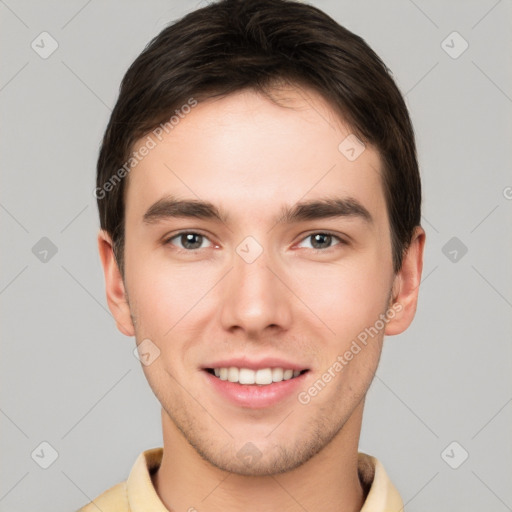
x,y
114,285
406,285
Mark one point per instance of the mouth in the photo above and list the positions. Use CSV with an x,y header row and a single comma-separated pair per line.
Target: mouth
x,y
250,377
257,387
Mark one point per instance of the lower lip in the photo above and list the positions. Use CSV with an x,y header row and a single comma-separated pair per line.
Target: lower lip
x,y
255,396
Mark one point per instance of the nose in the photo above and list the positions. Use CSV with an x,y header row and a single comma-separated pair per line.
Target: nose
x,y
255,298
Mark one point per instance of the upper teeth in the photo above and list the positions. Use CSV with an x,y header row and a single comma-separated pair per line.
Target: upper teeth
x,y
248,376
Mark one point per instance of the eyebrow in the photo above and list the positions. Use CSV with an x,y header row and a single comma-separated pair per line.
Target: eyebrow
x,y
323,208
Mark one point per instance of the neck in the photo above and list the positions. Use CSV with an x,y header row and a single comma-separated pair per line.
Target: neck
x,y
327,482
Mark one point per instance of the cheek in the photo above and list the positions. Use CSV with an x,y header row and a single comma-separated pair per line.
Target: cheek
x,y
172,307
347,297
163,295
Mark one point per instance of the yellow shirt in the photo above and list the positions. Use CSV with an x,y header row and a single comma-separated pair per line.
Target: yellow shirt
x,y
137,494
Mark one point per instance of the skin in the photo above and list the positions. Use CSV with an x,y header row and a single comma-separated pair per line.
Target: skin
x,y
250,157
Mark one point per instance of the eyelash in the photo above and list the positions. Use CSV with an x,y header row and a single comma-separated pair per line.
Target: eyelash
x,y
341,241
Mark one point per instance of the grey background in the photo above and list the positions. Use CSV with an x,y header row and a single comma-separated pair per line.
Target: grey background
x,y
70,378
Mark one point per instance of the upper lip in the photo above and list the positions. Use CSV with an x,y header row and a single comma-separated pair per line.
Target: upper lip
x,y
253,364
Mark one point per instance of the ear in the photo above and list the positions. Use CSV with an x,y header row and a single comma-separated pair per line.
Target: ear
x,y
114,285
406,285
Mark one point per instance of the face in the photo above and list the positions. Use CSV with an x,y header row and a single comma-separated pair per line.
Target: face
x,y
258,291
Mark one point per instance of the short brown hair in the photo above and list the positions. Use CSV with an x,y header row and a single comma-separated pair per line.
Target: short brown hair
x,y
232,45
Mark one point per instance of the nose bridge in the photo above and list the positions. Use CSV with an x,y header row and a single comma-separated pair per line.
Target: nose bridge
x,y
255,298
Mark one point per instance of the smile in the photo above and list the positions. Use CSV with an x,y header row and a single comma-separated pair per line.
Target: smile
x,y
261,377
255,388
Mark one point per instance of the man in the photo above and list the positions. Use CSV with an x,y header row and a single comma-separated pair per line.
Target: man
x,y
259,200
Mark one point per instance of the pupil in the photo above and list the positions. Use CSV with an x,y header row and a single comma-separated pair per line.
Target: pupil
x,y
322,237
189,237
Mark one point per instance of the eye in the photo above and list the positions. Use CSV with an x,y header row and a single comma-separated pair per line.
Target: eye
x,y
189,240
322,241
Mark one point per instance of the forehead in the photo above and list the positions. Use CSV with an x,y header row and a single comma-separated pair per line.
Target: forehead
x,y
251,155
